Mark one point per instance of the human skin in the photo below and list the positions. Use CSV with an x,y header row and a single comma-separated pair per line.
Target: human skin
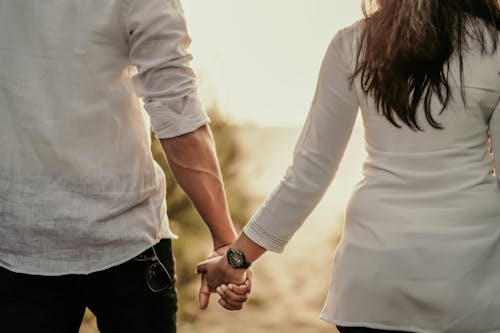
x,y
193,161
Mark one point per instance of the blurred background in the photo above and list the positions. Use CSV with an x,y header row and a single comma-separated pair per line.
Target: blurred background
x,y
257,62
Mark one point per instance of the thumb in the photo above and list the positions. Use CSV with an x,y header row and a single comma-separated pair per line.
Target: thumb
x,y
204,266
201,268
204,295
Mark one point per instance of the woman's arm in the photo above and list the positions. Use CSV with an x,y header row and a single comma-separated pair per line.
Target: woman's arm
x,y
317,156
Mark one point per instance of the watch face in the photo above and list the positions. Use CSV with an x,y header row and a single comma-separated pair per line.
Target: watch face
x,y
236,259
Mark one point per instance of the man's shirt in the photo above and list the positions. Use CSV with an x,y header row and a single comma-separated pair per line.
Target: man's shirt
x,y
79,190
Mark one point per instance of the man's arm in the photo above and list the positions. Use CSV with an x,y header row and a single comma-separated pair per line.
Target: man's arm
x,y
158,46
158,41
193,161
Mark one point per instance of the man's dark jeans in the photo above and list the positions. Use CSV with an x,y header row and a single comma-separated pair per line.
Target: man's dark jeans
x,y
119,297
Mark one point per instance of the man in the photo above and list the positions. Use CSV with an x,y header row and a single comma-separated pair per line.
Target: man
x,y
81,200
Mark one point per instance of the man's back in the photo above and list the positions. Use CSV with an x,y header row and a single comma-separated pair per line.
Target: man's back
x,y
80,191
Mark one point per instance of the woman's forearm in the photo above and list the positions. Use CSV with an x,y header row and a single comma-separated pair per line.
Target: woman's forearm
x,y
250,249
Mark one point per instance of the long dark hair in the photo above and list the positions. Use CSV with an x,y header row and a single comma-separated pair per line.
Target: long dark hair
x,y
405,48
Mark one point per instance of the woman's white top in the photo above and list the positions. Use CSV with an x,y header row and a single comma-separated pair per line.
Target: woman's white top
x,y
421,245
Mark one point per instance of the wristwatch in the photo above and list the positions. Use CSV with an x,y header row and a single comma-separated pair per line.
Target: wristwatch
x,y
236,259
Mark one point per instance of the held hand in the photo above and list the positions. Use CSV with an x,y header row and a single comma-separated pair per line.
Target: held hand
x,y
204,293
216,272
219,251
233,296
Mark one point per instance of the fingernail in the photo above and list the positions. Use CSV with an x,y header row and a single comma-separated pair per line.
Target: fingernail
x,y
231,286
219,289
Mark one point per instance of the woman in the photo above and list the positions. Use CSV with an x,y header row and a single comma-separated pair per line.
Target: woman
x,y
421,245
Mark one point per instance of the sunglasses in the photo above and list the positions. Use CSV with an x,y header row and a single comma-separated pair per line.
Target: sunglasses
x,y
157,276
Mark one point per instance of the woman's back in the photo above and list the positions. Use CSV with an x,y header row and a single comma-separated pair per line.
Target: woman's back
x,y
445,168
420,250
421,244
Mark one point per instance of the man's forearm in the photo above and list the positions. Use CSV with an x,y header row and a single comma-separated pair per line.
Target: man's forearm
x,y
193,161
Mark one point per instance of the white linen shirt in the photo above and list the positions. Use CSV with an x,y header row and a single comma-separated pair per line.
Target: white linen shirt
x,y
420,250
79,190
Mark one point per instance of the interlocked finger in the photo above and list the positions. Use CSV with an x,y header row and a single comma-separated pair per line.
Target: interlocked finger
x,y
229,305
229,295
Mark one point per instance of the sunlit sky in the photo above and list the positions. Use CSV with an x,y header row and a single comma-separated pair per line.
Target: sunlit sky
x,y
258,60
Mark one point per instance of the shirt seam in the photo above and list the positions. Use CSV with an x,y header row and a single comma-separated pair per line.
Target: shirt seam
x,y
495,108
341,35
125,12
497,104
351,46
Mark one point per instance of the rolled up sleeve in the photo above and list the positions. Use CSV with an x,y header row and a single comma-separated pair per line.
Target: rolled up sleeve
x,y
317,155
158,46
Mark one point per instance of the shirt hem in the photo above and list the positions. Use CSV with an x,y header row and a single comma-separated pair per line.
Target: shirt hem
x,y
21,270
375,325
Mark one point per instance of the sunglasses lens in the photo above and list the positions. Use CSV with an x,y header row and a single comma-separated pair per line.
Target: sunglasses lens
x,y
158,278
